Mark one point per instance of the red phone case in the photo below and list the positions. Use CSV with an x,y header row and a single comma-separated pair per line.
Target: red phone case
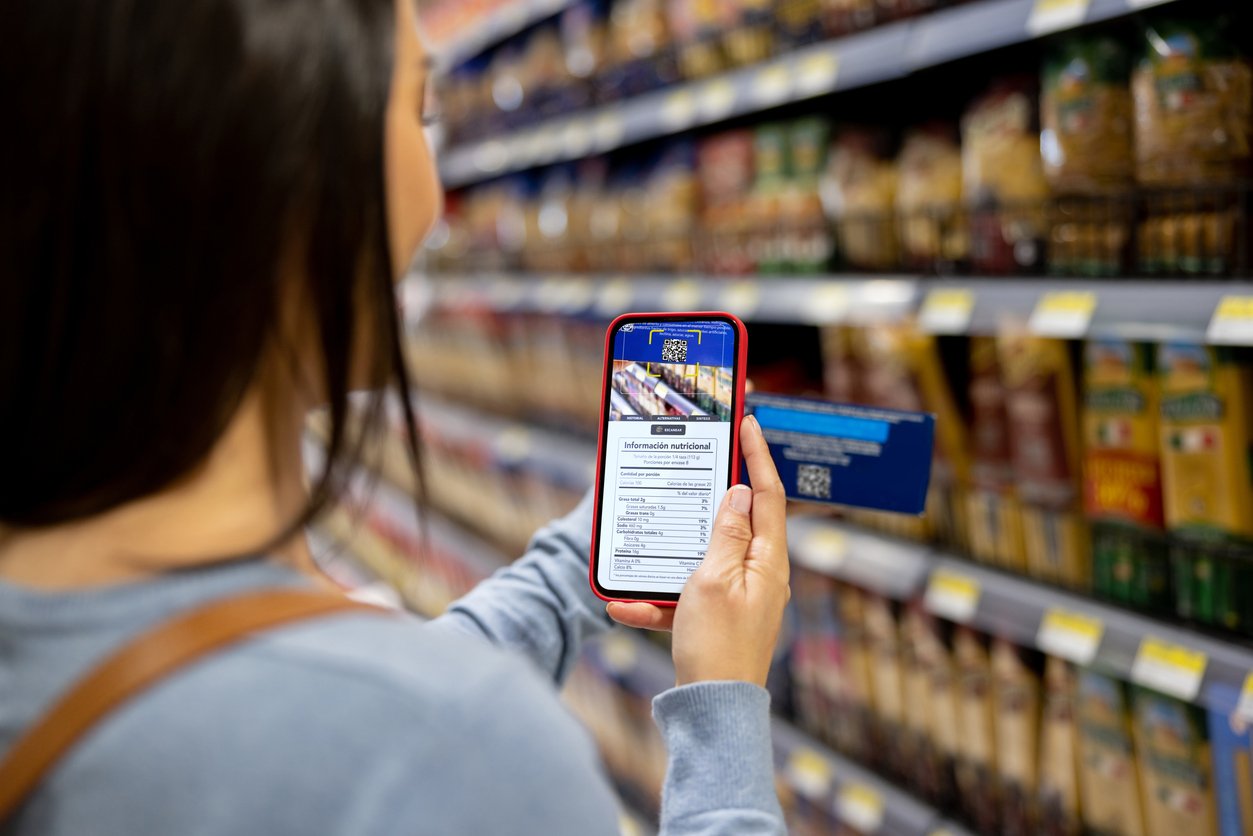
x,y
737,416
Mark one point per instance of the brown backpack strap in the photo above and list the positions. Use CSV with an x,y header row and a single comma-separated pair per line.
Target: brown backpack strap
x,y
145,661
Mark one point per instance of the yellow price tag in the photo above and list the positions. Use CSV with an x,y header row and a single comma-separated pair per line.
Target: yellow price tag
x,y
1169,668
808,773
678,110
772,84
1070,635
577,137
828,304
860,807
614,298
1232,322
1055,15
947,311
824,549
817,73
742,298
682,295
1066,314
716,100
952,595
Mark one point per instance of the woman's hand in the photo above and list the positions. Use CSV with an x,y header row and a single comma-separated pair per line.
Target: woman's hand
x,y
728,617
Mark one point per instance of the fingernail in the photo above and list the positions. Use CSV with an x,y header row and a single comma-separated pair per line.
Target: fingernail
x,y
741,498
752,421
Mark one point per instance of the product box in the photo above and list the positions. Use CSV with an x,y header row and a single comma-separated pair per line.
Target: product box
x,y
1109,774
857,728
1016,685
1206,479
1122,486
1042,403
1058,794
923,769
1172,741
934,650
1233,764
976,713
993,513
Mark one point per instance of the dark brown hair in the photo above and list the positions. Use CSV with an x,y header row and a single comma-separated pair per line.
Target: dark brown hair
x,y
159,162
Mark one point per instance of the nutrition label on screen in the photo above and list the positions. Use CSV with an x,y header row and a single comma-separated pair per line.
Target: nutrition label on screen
x,y
664,508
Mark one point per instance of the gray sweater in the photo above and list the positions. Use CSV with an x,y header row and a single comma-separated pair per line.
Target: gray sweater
x,y
368,724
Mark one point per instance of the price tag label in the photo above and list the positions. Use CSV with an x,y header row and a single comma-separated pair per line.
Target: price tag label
x,y
1066,314
952,595
947,311
824,549
491,156
1070,635
716,100
619,653
1232,322
614,298
1055,15
742,298
1244,709
678,110
513,443
550,295
577,138
545,144
682,295
808,773
608,129
1169,668
505,294
860,807
827,304
817,74
576,296
772,84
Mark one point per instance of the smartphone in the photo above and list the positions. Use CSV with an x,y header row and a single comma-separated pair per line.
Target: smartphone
x,y
671,405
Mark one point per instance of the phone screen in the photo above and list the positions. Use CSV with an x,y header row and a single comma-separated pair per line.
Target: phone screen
x,y
666,452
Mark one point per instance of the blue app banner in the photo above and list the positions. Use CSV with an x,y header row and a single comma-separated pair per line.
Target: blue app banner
x,y
841,454
704,342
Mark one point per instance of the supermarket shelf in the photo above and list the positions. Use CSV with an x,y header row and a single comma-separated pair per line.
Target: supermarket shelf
x,y
769,299
1141,309
876,55
500,25
1135,648
565,459
895,569
859,797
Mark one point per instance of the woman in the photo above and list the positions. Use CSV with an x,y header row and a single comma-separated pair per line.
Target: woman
x,y
207,205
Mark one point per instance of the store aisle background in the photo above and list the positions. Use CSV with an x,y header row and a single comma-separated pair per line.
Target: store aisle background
x,y
1030,217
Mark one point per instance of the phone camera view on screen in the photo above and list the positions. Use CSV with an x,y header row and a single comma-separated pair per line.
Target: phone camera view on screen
x,y
667,449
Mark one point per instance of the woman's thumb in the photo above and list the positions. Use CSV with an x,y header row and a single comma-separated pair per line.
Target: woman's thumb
x,y
733,527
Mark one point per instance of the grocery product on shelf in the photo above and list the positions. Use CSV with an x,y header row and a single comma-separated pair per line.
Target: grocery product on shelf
x,y
1111,800
1058,796
1206,432
1042,406
1016,689
930,225
1122,473
858,193
993,512
883,649
1193,95
1233,766
725,168
1173,743
976,765
1086,145
1003,178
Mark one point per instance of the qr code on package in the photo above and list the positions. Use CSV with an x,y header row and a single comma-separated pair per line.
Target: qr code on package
x,y
674,351
813,480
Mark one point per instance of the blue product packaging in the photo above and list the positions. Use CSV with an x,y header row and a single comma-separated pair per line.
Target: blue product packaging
x,y
841,454
1232,751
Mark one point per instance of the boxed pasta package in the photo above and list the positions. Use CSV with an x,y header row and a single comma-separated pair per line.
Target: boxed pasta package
x,y
993,513
1233,763
1109,783
976,765
1016,684
930,224
1058,795
1173,743
1122,485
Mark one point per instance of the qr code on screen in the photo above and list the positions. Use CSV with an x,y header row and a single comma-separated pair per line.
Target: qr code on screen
x,y
674,351
813,480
